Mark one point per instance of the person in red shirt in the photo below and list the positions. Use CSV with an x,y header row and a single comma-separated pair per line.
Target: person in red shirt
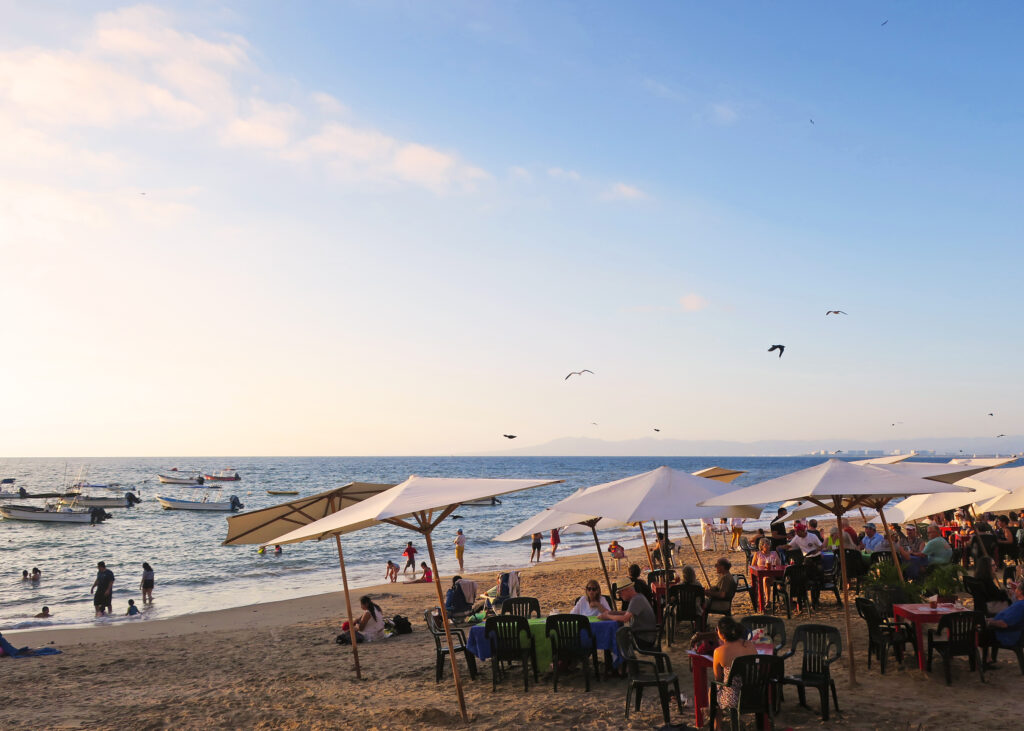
x,y
410,559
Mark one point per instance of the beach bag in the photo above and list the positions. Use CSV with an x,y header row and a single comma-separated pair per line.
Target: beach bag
x,y
401,624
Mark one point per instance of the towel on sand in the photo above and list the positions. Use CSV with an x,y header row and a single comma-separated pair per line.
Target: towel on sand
x,y
9,650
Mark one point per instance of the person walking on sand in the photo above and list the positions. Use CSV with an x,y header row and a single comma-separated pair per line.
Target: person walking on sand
x,y
103,589
737,532
460,548
147,583
410,559
535,547
555,540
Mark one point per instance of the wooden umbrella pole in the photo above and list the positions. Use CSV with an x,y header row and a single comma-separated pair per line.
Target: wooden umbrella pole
x,y
846,609
600,555
650,561
447,629
892,542
348,606
695,553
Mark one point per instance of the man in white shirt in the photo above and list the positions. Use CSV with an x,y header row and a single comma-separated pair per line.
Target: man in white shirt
x,y
810,546
707,534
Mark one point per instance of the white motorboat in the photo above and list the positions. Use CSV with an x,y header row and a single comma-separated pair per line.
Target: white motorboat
x,y
229,474
482,502
85,501
172,503
52,514
181,479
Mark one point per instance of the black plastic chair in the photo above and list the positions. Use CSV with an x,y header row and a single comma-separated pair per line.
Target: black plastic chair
x,y
882,634
566,633
433,619
758,676
957,636
792,585
685,602
819,641
748,550
774,627
976,588
521,606
881,557
720,606
655,672
658,576
829,578
1017,650
511,641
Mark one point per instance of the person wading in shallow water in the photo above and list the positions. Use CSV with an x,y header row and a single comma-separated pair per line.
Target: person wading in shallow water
x,y
103,589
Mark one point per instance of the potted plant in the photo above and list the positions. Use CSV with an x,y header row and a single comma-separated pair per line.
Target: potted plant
x,y
943,580
882,585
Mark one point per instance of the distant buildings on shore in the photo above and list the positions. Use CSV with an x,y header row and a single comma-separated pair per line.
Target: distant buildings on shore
x,y
874,452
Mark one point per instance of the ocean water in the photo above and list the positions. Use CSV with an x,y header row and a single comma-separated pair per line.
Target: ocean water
x,y
194,572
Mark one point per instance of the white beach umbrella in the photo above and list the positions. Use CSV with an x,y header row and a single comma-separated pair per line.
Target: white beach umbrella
x,y
837,487
661,494
889,459
722,474
260,526
1009,479
983,461
548,519
921,506
419,504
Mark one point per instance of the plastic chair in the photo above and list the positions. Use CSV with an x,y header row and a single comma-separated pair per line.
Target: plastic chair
x,y
658,576
684,605
655,672
818,642
743,587
957,636
791,585
976,588
511,641
720,606
882,634
774,627
521,606
1017,650
829,579
881,557
566,633
758,675
748,550
433,619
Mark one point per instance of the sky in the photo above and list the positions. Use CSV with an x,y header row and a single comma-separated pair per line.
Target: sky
x,y
392,228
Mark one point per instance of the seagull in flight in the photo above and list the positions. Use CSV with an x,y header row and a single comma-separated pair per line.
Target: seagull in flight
x,y
834,312
578,373
509,436
894,424
812,121
593,423
883,23
991,414
780,348
1000,435
656,429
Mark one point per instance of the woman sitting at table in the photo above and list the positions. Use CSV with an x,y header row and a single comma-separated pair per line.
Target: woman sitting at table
x,y
591,604
766,558
995,598
733,637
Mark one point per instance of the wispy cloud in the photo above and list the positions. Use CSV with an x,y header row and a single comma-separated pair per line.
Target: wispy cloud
x,y
517,172
693,302
560,174
661,90
623,191
724,114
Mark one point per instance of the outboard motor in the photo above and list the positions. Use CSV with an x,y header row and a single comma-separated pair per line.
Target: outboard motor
x,y
97,515
131,499
22,492
200,479
236,504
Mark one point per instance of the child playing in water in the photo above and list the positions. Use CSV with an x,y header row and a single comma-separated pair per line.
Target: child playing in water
x,y
391,573
132,609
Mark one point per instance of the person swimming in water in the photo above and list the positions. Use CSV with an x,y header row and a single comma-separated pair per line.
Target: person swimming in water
x,y
45,614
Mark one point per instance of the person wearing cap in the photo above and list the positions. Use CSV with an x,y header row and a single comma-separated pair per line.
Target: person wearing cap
x,y
873,540
638,616
910,542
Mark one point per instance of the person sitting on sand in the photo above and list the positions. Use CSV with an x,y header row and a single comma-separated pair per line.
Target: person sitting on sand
x,y
391,572
591,604
455,599
427,578
132,609
370,625
45,614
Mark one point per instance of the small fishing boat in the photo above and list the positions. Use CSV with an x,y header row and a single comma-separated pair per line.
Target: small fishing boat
x,y
85,501
172,503
229,474
181,479
53,514
483,502
282,492
83,485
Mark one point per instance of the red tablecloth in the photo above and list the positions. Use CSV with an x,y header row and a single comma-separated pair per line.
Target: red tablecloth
x,y
759,580
919,615
699,665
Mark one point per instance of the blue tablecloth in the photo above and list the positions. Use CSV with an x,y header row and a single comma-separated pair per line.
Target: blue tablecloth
x,y
604,635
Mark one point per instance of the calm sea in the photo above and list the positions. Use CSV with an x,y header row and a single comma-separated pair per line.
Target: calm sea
x,y
194,572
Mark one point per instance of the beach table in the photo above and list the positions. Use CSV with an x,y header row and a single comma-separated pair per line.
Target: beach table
x,y
604,635
699,666
760,578
919,615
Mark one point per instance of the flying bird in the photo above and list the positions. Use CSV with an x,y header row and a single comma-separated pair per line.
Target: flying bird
x,y
657,430
509,436
884,22
578,373
894,424
991,414
1000,435
594,423
834,312
780,348
812,121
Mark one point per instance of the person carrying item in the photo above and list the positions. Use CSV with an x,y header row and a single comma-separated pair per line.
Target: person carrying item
x,y
410,556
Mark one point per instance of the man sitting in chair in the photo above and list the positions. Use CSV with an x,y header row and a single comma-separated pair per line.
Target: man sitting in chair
x,y
1004,629
638,616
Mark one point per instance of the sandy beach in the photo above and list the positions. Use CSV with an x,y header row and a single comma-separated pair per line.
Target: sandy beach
x,y
276,666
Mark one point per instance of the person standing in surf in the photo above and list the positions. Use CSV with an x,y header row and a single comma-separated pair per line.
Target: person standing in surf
x,y
103,589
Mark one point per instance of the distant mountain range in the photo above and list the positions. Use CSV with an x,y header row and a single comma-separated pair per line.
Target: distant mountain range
x,y
651,447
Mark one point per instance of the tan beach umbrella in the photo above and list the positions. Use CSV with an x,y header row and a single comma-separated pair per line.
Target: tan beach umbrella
x,y
419,504
837,487
1010,479
261,526
722,474
661,494
548,519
